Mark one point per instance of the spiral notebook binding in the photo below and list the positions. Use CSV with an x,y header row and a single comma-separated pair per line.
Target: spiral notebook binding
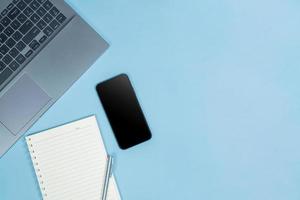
x,y
37,169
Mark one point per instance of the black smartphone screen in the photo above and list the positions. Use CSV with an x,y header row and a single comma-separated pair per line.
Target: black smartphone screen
x,y
123,111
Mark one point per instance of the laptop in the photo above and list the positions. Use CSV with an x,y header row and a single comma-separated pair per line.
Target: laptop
x,y
45,46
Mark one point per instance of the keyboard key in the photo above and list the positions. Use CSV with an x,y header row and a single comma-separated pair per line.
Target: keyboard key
x,y
28,12
47,5
4,75
28,53
41,1
54,11
35,18
48,31
54,24
1,28
9,31
3,38
26,27
13,13
41,24
20,59
2,66
15,24
34,5
21,5
47,18
41,11
20,46
16,1
4,49
43,39
5,21
4,12
1,56
31,35
61,18
34,45
14,65
17,36
10,6
7,59
22,18
28,1
10,43
14,52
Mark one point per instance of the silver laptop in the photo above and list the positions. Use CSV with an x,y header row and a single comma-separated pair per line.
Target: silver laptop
x,y
44,48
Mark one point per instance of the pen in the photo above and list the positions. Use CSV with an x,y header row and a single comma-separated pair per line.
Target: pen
x,y
107,176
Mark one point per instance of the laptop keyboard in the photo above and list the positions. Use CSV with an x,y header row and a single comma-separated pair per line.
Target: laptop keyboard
x,y
25,26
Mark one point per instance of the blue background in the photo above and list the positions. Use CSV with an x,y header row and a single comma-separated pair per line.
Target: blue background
x,y
219,84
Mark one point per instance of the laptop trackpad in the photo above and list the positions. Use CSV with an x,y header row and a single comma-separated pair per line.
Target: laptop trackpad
x,y
21,103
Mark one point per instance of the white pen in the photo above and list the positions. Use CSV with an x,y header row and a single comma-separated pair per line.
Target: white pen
x,y
107,176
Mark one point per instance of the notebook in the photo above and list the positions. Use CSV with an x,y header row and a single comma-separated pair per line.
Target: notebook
x,y
70,162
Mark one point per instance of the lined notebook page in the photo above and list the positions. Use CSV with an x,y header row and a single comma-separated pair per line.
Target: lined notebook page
x,y
70,162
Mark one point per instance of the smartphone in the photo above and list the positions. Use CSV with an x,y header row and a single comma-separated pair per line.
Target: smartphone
x,y
123,111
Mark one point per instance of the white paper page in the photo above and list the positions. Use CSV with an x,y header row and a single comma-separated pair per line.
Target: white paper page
x,y
70,162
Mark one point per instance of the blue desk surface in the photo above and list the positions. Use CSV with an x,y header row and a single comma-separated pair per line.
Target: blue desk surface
x,y
219,84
